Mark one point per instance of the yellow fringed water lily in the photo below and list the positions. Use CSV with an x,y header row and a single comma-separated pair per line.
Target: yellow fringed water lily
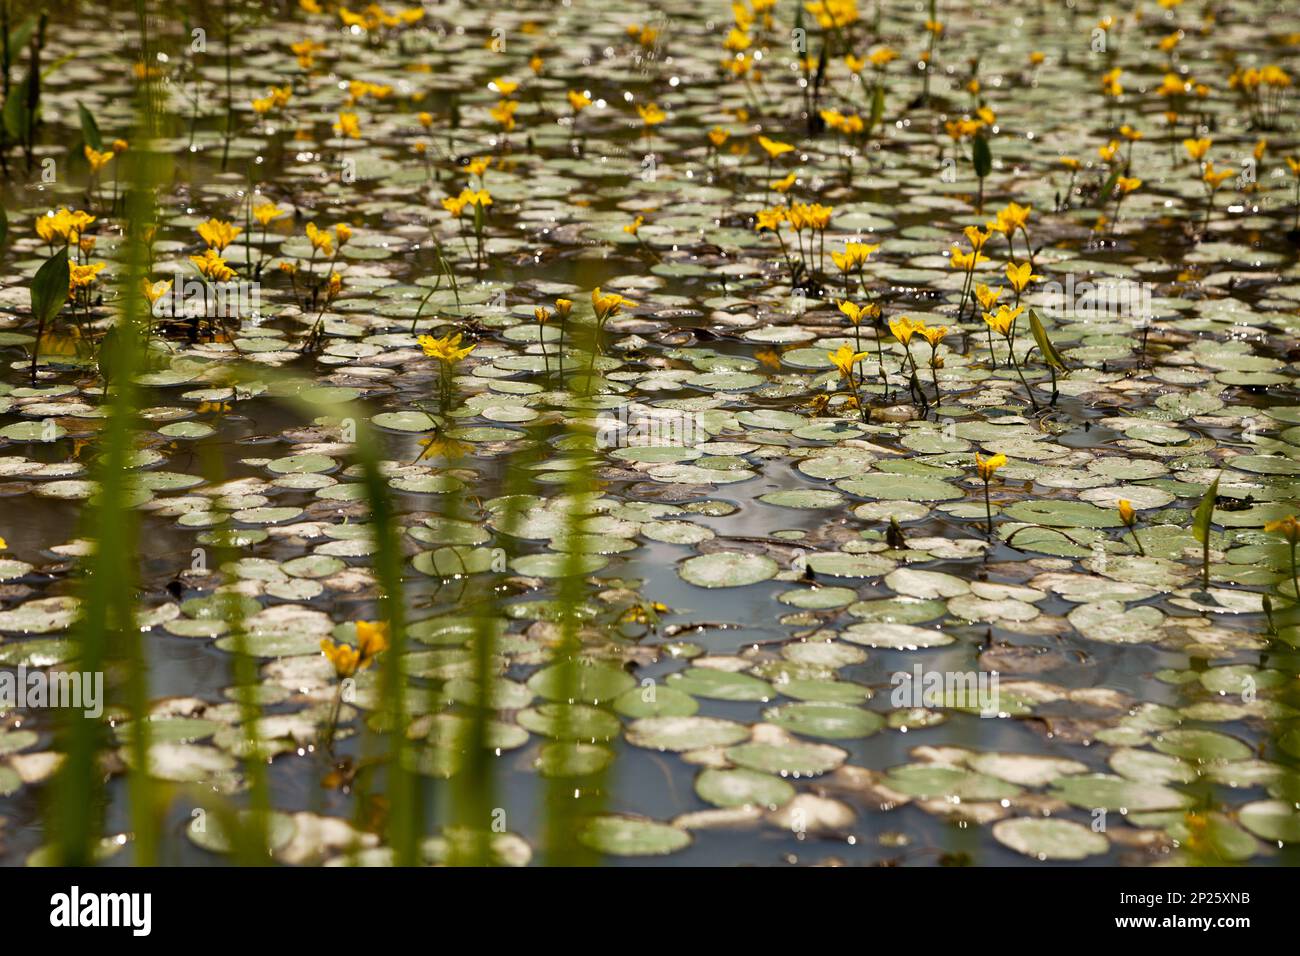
x,y
217,233
1020,276
774,148
267,212
1197,148
372,640
1288,528
348,126
987,467
446,349
966,260
1126,512
987,297
345,658
934,334
903,328
212,266
607,304
844,358
1004,319
96,159
651,114
153,291
321,241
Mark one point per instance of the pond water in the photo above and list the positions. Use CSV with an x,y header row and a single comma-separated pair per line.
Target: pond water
x,y
683,649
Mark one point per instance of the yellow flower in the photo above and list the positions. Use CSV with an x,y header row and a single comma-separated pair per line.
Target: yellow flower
x,y
1130,133
542,314
1004,320
563,307
345,658
1110,84
987,467
267,212
1126,512
97,159
320,240
372,639
844,358
1197,148
855,254
217,233
1173,85
718,136
966,260
65,224
934,334
854,312
80,276
503,86
607,304
632,227
348,126
774,148
1215,178
1126,184
504,114
446,349
1020,275
478,165
651,115
1015,215
212,266
153,291
455,204
342,232
1107,152
987,297
976,238
881,56
425,119
962,128
770,218
904,328
1288,528
579,100
784,184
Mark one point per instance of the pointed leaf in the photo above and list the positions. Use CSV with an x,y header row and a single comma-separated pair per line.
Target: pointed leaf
x,y
1045,346
50,287
1205,512
90,129
981,156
